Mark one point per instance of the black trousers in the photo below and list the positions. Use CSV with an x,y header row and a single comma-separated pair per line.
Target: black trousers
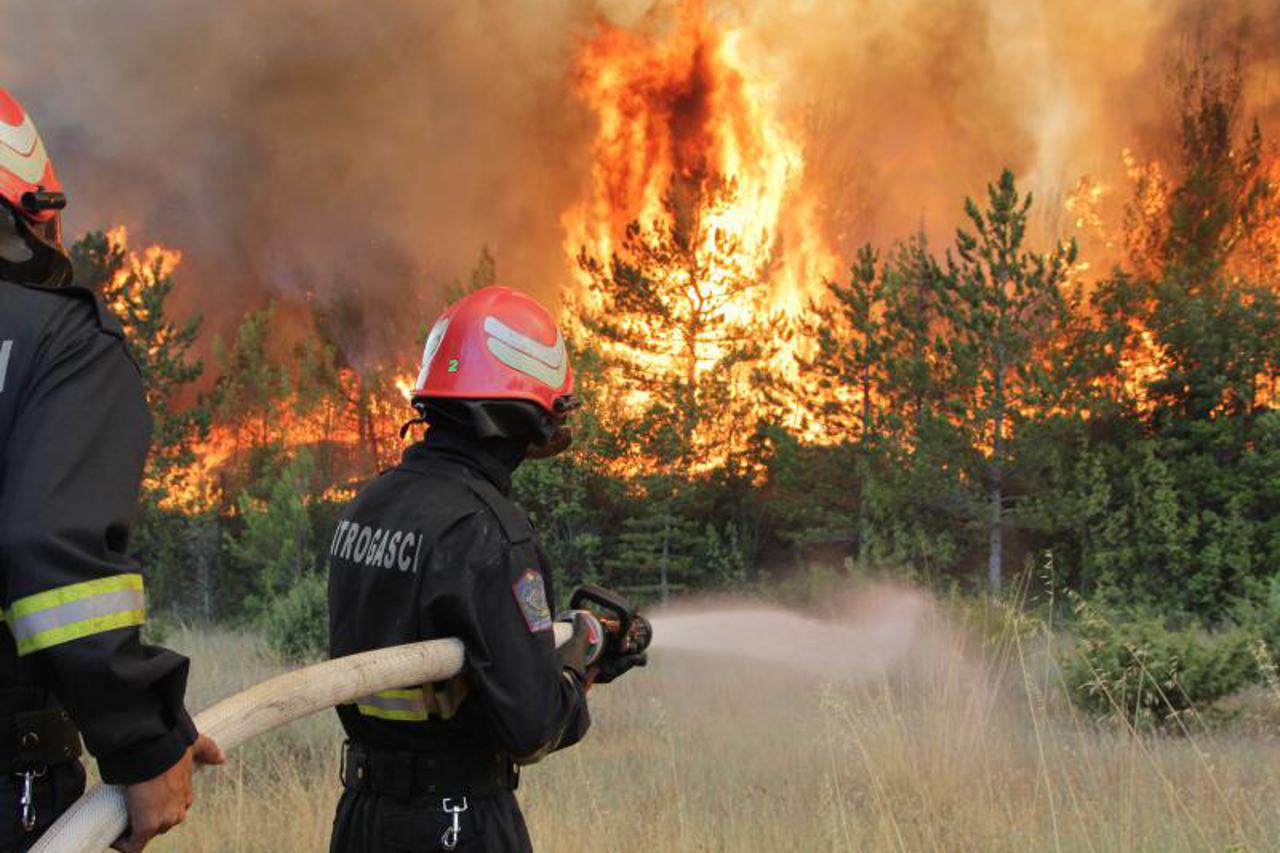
x,y
54,793
373,823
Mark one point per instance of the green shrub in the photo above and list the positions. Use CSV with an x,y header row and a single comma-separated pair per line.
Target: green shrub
x,y
277,542
1134,666
1270,618
297,623
1259,613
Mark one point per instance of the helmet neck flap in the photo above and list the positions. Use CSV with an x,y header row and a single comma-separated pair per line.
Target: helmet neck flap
x,y
28,257
515,419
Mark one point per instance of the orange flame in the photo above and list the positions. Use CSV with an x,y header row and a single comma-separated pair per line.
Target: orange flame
x,y
671,110
146,267
1142,233
351,428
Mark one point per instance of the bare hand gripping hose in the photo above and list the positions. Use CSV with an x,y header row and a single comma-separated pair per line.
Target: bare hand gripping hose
x,y
98,818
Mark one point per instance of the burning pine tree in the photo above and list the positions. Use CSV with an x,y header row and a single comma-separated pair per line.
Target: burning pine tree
x,y
688,281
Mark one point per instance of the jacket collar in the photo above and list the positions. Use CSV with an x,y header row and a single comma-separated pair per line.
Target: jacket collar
x,y
495,459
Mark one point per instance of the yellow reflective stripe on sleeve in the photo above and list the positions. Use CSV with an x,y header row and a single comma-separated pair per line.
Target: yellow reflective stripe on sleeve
x,y
418,703
405,706
77,610
51,598
393,715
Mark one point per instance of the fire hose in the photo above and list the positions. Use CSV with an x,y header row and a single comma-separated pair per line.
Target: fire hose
x,y
99,817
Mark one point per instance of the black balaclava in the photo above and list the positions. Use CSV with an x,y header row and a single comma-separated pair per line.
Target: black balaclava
x,y
504,432
496,457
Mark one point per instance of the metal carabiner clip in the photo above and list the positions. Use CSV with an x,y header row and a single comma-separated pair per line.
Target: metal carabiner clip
x,y
27,798
455,808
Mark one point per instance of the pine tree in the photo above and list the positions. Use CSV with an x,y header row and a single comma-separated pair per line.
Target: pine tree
x,y
362,394
175,517
920,299
137,289
852,339
483,274
322,401
1174,360
1215,331
654,550
1195,246
1011,307
679,315
276,543
720,556
253,382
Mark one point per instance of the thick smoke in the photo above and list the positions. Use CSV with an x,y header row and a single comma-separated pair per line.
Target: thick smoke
x,y
914,105
313,149
365,150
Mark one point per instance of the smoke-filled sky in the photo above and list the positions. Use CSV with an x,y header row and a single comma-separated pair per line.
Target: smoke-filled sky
x,y
372,147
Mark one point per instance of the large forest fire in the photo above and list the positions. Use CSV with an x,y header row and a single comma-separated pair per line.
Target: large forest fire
x,y
708,195
894,284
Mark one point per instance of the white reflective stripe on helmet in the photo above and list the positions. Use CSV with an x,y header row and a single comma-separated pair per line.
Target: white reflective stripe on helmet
x,y
22,151
547,364
431,348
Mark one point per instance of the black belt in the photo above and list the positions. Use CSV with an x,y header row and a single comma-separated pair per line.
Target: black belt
x,y
406,775
33,735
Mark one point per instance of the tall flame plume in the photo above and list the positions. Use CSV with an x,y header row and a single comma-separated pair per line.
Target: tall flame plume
x,y
674,112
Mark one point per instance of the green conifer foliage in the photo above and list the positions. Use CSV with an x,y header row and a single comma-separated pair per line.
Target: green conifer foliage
x,y
1011,310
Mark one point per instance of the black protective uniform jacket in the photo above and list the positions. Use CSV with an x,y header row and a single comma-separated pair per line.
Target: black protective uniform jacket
x,y
434,548
74,432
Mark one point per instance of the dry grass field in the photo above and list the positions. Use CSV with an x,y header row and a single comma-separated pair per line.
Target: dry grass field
x,y
951,741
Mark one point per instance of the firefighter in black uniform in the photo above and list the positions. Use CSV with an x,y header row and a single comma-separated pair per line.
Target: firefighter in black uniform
x,y
74,430
435,548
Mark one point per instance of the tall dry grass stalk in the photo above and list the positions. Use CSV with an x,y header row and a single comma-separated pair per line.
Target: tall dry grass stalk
x,y
965,744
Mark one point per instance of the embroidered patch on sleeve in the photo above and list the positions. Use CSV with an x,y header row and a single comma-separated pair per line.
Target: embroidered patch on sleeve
x,y
531,595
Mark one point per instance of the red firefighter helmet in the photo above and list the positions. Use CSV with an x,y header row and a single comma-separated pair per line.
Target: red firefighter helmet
x,y
497,344
28,183
30,198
